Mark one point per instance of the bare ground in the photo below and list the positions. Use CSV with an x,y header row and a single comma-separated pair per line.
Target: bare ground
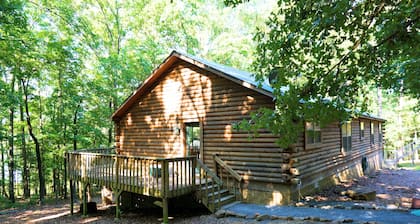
x,y
393,187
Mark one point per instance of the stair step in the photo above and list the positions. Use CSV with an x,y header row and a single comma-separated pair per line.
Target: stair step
x,y
225,200
209,187
222,192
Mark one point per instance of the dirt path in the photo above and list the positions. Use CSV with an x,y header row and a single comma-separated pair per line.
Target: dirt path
x,y
393,187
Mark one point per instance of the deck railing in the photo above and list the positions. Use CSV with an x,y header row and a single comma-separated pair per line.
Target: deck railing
x,y
158,177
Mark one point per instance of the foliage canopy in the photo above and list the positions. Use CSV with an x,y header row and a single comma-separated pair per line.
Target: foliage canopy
x,y
323,57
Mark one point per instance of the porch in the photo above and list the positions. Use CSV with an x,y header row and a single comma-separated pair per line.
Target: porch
x,y
162,178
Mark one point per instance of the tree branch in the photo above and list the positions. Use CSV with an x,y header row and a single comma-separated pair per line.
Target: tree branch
x,y
357,43
393,34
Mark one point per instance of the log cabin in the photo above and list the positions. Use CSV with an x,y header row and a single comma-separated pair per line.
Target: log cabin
x,y
174,136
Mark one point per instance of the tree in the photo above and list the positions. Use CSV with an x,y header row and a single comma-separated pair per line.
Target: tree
x,y
322,57
74,62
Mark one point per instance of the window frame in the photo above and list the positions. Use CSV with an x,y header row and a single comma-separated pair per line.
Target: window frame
x,y
315,128
362,130
380,133
346,136
372,133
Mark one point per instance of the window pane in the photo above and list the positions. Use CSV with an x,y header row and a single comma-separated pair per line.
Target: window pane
x,y
317,136
349,129
312,132
343,130
344,142
310,137
308,126
317,127
372,128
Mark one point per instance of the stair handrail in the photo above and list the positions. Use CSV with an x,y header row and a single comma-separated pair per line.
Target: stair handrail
x,y
237,186
204,173
200,164
232,172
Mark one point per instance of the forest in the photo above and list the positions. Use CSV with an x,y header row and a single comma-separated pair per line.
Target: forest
x,y
66,66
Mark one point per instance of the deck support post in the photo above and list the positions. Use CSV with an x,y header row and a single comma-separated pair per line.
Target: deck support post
x,y
117,207
71,197
165,190
165,210
85,199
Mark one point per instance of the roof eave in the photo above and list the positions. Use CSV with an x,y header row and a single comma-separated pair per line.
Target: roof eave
x,y
222,74
366,116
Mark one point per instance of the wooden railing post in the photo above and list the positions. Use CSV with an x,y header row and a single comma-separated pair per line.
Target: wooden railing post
x,y
117,172
194,165
216,170
165,189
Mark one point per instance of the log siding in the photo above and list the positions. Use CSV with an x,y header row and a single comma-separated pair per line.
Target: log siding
x,y
152,123
147,129
312,163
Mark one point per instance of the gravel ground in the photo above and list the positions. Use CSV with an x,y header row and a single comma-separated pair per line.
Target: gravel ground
x,y
393,187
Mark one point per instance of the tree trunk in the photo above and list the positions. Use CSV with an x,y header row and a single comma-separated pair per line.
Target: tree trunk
x,y
11,147
3,175
42,190
379,94
75,129
111,129
25,173
65,179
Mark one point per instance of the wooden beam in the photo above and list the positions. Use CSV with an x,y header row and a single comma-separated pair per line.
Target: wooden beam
x,y
71,196
85,186
117,208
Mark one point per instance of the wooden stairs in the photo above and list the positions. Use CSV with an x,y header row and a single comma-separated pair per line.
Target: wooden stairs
x,y
214,196
215,191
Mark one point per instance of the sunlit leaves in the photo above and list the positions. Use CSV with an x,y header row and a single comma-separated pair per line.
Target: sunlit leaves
x,y
329,53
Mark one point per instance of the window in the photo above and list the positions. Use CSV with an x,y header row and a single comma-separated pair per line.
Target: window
x,y
346,136
312,134
192,132
380,133
362,130
372,133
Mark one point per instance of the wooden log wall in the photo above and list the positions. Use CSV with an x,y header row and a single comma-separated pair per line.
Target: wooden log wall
x,y
314,163
189,94
155,125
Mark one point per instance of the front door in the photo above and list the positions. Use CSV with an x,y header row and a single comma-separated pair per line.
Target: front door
x,y
193,141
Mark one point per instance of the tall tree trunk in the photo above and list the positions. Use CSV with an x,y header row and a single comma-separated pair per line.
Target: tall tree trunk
x,y
75,129
65,179
379,94
42,190
25,173
3,175
11,146
111,129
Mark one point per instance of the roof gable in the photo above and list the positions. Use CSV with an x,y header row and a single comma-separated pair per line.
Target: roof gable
x,y
240,77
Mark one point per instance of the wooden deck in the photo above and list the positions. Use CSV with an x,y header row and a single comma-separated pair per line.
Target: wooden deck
x,y
157,177
162,178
